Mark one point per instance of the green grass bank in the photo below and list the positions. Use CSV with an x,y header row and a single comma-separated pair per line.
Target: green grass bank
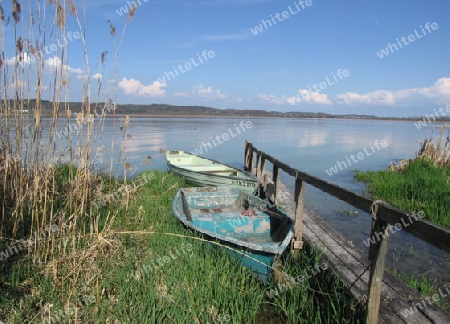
x,y
138,264
420,186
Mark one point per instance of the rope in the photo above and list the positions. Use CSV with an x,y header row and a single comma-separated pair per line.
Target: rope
x,y
359,277
374,208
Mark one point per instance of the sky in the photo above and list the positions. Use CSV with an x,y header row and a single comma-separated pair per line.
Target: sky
x,y
383,58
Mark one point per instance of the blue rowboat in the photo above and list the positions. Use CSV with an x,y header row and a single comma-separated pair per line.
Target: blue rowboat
x,y
207,172
239,220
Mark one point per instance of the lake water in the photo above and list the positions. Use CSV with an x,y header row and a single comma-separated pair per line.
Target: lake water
x,y
310,145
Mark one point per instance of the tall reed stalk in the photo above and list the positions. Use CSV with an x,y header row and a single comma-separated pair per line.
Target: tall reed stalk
x,y
47,181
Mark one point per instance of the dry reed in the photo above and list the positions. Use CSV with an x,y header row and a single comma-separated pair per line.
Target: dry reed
x,y
36,191
438,153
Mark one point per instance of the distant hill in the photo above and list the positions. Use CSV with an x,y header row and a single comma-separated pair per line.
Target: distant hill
x,y
201,111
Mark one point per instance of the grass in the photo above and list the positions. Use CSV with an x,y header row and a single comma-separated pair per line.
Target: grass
x,y
141,263
419,282
320,299
107,277
420,186
422,285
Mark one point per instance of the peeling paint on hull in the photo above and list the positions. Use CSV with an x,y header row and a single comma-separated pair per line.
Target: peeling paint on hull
x,y
218,213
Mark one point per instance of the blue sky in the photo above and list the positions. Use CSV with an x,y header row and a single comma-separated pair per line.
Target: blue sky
x,y
273,68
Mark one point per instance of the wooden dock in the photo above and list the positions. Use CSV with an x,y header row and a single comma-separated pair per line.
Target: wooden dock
x,y
387,298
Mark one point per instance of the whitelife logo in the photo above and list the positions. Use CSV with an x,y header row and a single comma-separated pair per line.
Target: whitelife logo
x,y
225,137
183,251
421,305
187,66
411,38
129,6
341,74
432,118
397,227
360,156
280,17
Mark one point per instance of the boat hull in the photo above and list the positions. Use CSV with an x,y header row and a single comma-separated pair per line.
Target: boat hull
x,y
209,173
257,240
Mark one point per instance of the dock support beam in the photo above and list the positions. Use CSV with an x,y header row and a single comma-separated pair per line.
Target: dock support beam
x,y
260,164
260,174
297,242
276,192
377,257
248,163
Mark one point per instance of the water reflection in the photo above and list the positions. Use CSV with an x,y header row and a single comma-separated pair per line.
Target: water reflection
x,y
310,145
313,139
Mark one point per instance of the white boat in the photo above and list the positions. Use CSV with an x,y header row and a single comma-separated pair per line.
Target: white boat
x,y
209,173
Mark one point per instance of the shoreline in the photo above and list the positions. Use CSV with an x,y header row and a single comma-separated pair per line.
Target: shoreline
x,y
111,109
356,118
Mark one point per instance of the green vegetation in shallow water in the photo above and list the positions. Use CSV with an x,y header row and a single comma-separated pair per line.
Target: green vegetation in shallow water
x,y
350,213
420,186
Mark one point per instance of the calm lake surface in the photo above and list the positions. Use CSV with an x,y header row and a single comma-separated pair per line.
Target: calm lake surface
x,y
311,145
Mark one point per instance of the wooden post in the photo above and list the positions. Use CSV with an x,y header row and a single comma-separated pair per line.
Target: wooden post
x,y
297,242
260,170
245,155
258,160
377,257
248,157
275,172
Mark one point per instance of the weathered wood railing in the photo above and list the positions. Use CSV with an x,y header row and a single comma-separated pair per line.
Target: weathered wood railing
x,y
383,217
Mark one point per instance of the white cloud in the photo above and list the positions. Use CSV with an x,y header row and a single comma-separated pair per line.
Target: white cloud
x,y
55,63
23,59
202,91
184,94
97,76
42,88
438,93
272,99
207,92
52,62
135,87
308,96
379,97
304,96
